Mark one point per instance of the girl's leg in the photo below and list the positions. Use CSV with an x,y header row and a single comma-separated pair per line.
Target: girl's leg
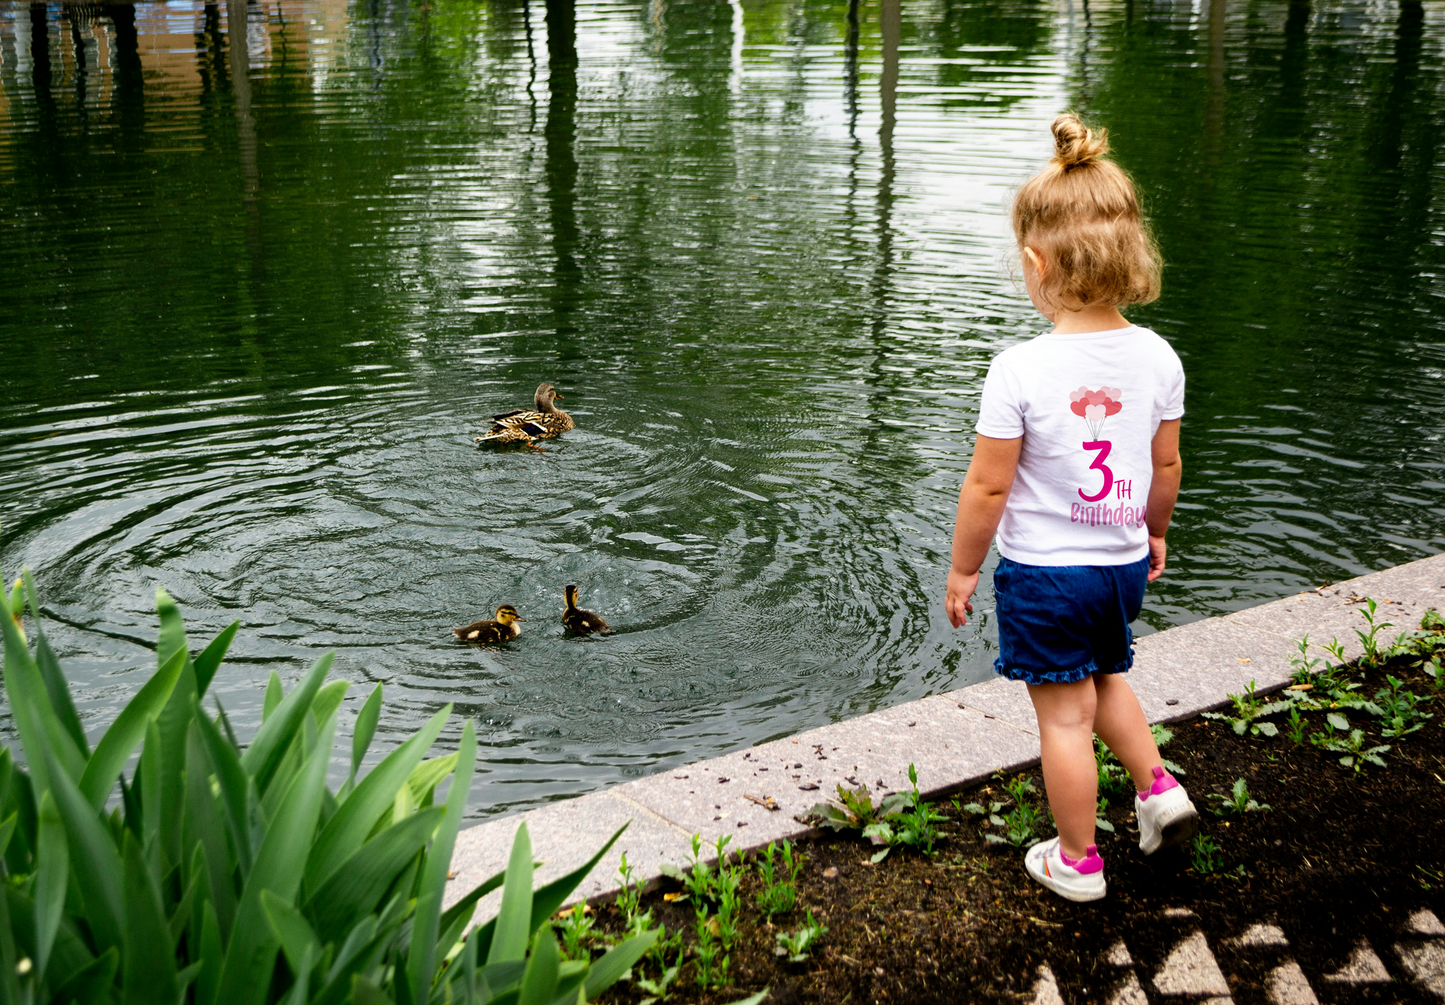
x,y
1066,738
1120,723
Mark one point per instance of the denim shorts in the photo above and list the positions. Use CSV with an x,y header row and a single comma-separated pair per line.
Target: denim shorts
x,y
1061,623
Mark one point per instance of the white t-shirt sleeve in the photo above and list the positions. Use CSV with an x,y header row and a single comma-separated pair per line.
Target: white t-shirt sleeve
x,y
1000,413
1174,395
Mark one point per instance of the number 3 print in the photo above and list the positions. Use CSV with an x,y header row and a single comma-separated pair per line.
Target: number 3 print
x,y
1103,447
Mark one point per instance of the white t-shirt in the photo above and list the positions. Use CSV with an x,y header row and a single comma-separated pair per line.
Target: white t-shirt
x,y
1087,406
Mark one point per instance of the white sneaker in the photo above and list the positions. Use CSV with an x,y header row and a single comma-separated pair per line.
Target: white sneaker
x,y
1166,815
1081,881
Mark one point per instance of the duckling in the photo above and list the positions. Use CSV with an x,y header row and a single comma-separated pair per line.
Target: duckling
x,y
577,620
503,629
523,425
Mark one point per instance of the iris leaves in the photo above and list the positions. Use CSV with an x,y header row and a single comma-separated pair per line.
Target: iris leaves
x,y
218,872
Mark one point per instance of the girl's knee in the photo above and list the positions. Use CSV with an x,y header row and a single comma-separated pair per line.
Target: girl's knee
x,y
1065,706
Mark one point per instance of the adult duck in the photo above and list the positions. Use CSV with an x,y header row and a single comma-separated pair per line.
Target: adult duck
x,y
523,425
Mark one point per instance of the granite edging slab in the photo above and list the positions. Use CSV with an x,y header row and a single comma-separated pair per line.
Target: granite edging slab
x,y
754,796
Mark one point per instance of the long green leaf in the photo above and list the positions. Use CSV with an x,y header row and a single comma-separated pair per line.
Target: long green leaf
x,y
328,699
514,919
174,724
7,831
236,790
298,940
280,861
428,775
35,719
91,985
549,898
148,958
357,887
53,675
348,829
204,824
467,904
539,982
421,961
152,789
276,733
172,637
365,992
213,956
93,859
210,659
52,875
68,952
275,692
129,728
616,962
366,721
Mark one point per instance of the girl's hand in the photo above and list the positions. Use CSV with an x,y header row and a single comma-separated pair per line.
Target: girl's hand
x,y
1157,551
960,593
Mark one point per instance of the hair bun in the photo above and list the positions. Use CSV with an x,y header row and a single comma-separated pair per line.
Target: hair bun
x,y
1075,144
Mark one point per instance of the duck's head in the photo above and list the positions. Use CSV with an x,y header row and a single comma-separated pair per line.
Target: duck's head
x,y
546,394
506,614
570,592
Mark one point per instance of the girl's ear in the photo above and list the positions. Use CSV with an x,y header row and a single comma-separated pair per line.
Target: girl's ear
x,y
1032,257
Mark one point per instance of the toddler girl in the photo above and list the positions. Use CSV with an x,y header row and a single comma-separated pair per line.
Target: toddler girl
x,y
1077,469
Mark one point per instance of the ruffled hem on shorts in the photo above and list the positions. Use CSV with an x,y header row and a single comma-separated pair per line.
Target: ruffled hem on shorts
x,y
1037,677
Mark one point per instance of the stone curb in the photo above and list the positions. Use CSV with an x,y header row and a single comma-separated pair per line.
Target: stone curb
x,y
955,739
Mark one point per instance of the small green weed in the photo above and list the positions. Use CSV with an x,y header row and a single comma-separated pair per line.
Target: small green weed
x,y
797,945
780,879
576,929
1294,728
1303,665
630,896
1100,820
1204,855
712,959
1238,801
1350,744
1400,709
657,990
1248,709
899,818
1373,655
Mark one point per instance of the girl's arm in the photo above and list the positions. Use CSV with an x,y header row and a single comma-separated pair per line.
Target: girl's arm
x,y
980,507
1163,491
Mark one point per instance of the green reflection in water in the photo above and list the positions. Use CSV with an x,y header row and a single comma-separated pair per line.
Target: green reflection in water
x,y
263,285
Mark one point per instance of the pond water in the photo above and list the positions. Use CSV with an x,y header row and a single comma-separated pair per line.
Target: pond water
x,y
267,265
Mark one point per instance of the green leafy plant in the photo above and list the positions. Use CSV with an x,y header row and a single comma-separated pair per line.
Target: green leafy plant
x,y
222,873
699,877
1373,655
780,879
1340,739
1295,726
1205,858
1400,709
1237,802
898,819
1100,820
576,929
910,822
1021,823
1304,667
657,990
1248,710
797,945
629,896
712,959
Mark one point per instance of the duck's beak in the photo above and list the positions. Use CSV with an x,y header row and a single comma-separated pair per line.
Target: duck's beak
x,y
519,619
557,397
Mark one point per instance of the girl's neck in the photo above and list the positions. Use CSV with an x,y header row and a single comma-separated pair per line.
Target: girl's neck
x,y
1089,319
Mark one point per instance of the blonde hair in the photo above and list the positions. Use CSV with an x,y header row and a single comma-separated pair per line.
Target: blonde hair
x,y
1082,215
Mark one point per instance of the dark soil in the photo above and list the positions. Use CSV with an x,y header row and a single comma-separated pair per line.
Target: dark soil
x,y
1337,857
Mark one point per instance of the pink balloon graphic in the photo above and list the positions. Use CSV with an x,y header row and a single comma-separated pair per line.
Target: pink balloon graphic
x,y
1095,406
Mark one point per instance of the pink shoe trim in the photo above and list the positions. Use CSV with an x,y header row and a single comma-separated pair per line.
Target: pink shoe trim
x,y
1163,782
1086,866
